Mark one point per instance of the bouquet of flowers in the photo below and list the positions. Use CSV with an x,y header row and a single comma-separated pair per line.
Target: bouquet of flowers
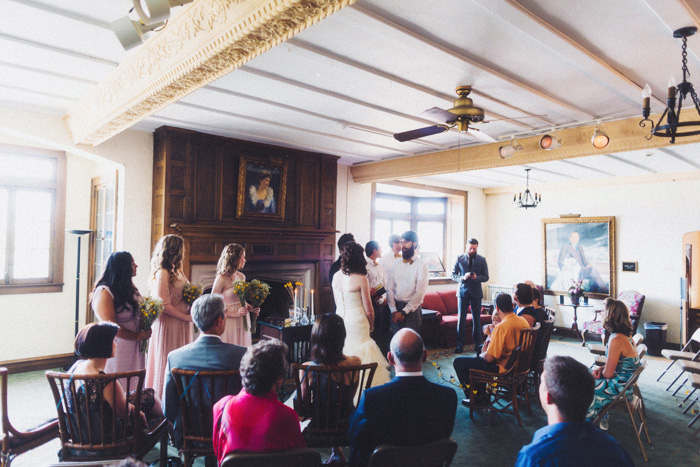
x,y
291,287
191,292
575,291
150,310
255,294
240,288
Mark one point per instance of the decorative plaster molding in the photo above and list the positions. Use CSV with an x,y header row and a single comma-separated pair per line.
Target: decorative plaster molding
x,y
209,39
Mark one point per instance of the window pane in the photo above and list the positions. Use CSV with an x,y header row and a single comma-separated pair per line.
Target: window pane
x,y
431,207
392,205
32,234
4,195
431,235
28,167
382,231
400,227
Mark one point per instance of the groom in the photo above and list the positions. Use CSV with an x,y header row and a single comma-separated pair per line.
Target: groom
x,y
406,285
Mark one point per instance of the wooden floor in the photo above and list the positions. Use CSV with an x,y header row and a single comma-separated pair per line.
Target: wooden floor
x,y
673,444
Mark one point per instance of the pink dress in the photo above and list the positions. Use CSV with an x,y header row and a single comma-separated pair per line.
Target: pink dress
x,y
169,333
235,332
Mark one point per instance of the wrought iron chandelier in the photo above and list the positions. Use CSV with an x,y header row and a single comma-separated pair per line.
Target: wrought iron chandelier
x,y
670,128
527,199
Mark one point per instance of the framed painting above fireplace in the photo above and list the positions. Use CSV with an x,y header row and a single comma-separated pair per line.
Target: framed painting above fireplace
x,y
262,186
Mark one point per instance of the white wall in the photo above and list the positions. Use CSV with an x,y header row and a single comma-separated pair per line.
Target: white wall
x,y
37,325
650,219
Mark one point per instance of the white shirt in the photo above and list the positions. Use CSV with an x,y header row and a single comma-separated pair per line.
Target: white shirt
x,y
387,261
375,276
408,282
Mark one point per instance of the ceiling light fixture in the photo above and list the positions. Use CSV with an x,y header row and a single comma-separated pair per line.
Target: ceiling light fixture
x,y
527,200
549,142
152,15
672,113
507,151
130,33
600,139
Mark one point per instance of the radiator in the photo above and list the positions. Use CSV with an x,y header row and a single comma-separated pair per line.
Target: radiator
x,y
492,291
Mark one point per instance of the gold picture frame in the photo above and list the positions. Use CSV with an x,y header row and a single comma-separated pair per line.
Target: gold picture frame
x,y
580,249
268,202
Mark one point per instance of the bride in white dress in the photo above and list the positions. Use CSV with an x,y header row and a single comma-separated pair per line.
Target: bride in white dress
x,y
354,305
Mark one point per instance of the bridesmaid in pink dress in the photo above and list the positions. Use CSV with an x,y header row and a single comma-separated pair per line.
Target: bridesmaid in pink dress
x,y
173,328
227,272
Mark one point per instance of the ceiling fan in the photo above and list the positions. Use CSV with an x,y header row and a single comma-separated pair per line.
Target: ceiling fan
x,y
461,115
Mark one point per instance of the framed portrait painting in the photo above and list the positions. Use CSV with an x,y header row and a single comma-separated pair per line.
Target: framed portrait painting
x,y
580,249
262,186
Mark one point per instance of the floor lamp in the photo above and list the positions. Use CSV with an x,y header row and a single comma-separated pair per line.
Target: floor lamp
x,y
80,234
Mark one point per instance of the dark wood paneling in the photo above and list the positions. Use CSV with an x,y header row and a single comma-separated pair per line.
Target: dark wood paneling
x,y
206,173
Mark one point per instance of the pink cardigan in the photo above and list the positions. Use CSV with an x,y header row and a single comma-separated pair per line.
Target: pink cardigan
x,y
254,424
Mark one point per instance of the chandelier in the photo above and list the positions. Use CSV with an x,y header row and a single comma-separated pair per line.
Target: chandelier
x,y
669,128
527,199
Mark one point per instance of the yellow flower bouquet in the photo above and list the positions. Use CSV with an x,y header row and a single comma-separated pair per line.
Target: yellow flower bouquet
x,y
191,292
150,310
240,288
255,294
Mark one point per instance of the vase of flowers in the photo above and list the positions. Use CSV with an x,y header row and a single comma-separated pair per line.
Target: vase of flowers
x,y
575,292
255,294
149,311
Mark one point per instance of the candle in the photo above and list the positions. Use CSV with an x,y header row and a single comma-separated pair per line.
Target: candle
x,y
296,297
312,302
306,298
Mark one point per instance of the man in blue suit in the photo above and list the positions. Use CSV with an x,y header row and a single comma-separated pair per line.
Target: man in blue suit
x,y
470,271
207,353
407,411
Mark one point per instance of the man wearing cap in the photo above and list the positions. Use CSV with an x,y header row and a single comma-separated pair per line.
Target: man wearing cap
x,y
406,285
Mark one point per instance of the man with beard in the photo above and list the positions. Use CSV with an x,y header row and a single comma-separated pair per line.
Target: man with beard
x,y
406,285
470,271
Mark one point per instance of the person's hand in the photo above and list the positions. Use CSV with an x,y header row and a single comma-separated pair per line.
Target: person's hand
x,y
472,275
372,292
256,311
143,335
597,373
397,317
242,311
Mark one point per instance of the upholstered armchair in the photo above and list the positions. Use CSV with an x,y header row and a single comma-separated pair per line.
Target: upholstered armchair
x,y
634,301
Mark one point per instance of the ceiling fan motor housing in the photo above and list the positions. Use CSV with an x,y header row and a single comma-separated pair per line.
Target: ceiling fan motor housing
x,y
464,107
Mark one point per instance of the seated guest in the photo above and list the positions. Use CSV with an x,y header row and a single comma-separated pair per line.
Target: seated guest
x,y
537,299
255,420
207,353
407,411
622,358
504,340
488,329
524,297
96,344
327,341
566,391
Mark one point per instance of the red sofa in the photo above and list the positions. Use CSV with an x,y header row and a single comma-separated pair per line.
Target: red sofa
x,y
442,330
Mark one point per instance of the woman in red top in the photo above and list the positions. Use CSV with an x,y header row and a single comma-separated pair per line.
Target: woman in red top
x,y
255,420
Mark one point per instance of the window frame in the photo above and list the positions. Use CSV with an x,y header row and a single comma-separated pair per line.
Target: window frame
x,y
54,282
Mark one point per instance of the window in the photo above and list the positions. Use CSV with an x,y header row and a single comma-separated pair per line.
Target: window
x,y
395,214
32,202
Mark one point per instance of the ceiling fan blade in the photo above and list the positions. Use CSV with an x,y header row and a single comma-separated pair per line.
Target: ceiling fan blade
x,y
514,118
437,114
419,133
480,135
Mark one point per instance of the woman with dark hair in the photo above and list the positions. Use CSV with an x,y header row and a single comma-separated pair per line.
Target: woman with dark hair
x,y
327,342
261,198
622,358
173,328
354,305
255,420
96,344
116,299
227,272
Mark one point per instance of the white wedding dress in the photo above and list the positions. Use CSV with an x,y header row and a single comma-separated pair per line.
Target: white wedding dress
x,y
357,342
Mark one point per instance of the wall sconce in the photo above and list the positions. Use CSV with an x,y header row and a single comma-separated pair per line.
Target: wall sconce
x,y
507,151
600,139
549,142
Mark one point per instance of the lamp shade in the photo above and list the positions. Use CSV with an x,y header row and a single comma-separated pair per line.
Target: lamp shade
x,y
600,139
549,142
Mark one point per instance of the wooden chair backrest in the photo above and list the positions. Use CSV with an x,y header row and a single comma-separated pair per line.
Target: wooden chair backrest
x,y
89,425
314,386
544,335
198,392
303,457
439,452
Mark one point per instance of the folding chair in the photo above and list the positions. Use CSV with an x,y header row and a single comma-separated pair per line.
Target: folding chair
x,y
437,453
686,353
600,349
602,360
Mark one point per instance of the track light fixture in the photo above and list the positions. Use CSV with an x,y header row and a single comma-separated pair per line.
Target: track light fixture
x,y
507,151
152,15
600,139
549,142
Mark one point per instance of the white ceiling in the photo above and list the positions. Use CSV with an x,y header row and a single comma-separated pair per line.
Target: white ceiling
x,y
345,85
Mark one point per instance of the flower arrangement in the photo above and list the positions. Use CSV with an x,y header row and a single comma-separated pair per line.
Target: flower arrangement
x,y
191,292
240,288
255,294
575,291
291,287
149,311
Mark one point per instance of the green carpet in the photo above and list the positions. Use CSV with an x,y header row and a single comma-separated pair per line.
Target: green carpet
x,y
480,443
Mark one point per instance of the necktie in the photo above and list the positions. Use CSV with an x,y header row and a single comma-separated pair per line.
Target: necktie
x,y
409,261
397,255
470,263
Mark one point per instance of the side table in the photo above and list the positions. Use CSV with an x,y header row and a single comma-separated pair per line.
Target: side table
x,y
574,325
297,339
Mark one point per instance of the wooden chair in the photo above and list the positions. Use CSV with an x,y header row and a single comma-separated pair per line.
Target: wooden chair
x,y
539,355
629,400
14,442
320,398
505,387
88,428
634,301
687,353
302,457
198,392
437,453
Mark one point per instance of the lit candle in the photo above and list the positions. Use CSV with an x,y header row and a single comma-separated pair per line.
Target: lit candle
x,y
296,297
306,298
312,302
